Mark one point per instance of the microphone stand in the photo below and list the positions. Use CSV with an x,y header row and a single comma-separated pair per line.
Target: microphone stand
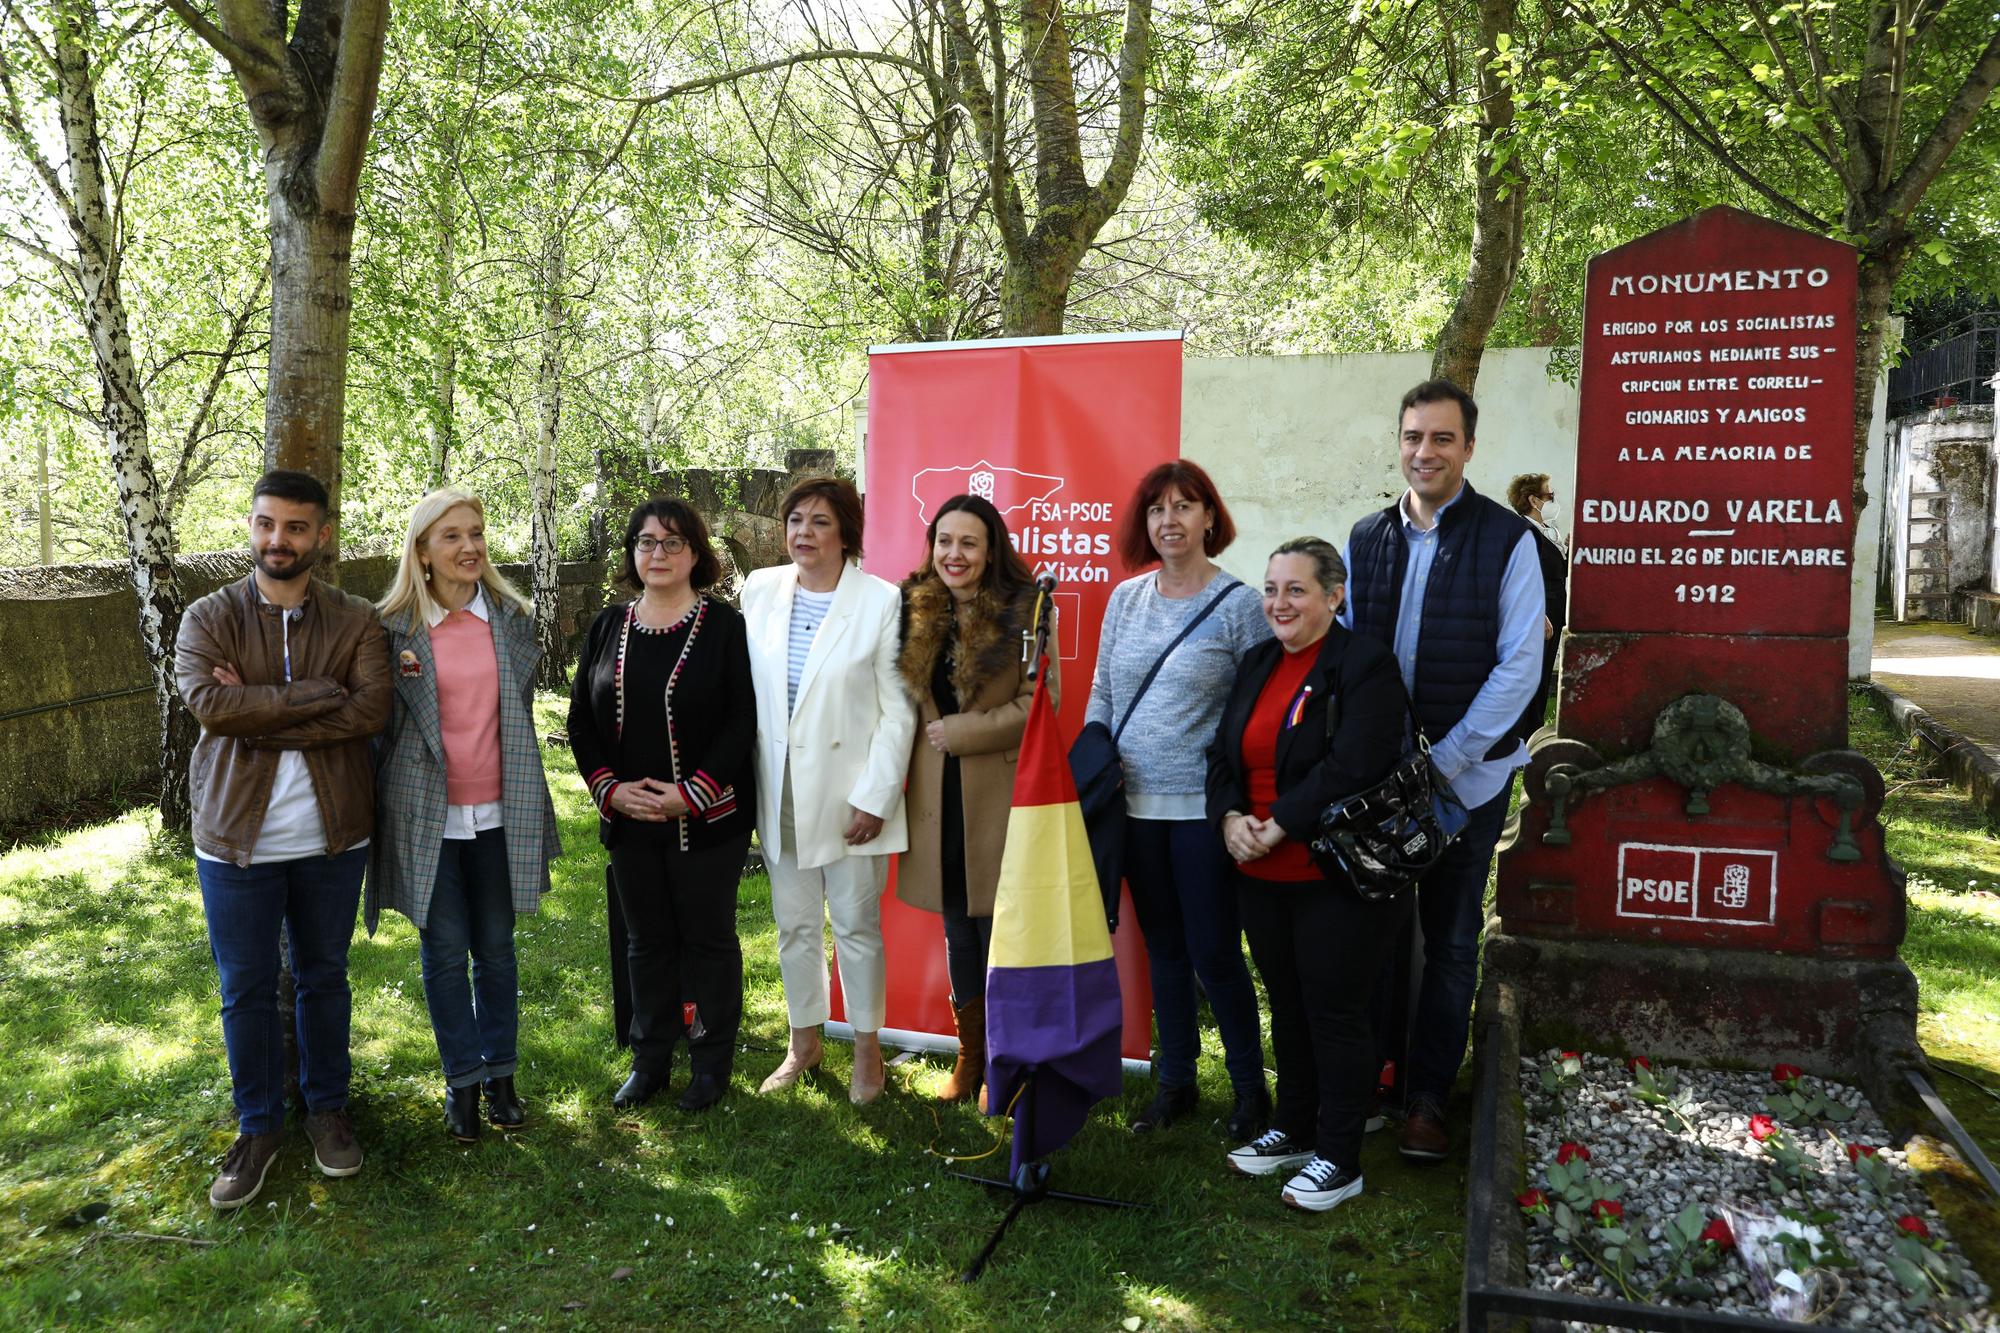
x,y
1035,644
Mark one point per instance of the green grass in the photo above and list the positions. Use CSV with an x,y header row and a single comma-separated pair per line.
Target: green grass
x,y
794,1211
1950,850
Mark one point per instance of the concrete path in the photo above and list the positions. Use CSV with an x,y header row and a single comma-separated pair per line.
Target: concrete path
x,y
1946,670
1952,675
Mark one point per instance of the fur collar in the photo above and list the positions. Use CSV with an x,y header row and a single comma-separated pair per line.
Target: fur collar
x,y
989,639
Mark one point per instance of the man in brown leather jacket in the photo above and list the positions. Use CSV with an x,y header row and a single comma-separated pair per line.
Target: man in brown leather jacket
x,y
289,678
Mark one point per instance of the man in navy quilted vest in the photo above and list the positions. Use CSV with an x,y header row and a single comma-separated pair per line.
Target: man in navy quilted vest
x,y
1451,582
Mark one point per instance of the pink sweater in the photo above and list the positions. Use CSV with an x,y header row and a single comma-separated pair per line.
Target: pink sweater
x,y
468,690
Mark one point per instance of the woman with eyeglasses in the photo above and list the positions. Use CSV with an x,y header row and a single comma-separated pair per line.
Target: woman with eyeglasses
x,y
1533,497
662,720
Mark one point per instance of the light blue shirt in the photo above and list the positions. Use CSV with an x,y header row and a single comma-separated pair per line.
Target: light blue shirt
x,y
1460,756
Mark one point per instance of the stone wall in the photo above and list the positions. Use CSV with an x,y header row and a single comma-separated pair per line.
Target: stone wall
x,y
1939,527
76,697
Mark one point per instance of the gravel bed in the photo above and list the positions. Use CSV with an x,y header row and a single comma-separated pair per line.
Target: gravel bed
x,y
1663,1168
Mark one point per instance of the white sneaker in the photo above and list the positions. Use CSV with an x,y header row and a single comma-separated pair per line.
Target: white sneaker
x,y
1320,1185
1267,1154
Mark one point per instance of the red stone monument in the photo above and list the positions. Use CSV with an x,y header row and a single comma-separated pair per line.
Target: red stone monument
x,y
1697,869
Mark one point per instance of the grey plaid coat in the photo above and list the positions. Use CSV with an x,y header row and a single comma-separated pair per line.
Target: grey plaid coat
x,y
409,779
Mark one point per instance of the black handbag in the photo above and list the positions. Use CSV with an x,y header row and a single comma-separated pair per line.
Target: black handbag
x,y
1099,774
1384,839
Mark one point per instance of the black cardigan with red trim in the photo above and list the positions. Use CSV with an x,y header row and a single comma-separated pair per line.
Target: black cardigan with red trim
x,y
712,710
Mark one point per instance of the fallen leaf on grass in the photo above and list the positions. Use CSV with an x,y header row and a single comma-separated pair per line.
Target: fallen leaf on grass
x,y
620,1274
572,1305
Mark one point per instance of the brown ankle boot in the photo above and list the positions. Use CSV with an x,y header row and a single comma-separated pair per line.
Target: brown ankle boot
x,y
969,1073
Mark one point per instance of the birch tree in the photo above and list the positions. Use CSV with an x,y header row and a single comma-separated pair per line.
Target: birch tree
x,y
85,195
309,74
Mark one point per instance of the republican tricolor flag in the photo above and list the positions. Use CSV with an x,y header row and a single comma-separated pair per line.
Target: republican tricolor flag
x,y
1053,1011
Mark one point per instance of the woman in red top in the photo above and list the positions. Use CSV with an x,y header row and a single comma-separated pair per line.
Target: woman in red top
x,y
1318,945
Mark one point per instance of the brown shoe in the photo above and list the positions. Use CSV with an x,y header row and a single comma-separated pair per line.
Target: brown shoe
x,y
244,1167
1425,1138
334,1148
968,1075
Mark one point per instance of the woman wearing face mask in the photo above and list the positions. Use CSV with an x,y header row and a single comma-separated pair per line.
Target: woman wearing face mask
x,y
1534,498
464,829
1318,944
965,610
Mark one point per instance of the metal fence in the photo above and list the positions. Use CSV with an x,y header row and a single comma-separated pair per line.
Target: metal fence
x,y
1959,362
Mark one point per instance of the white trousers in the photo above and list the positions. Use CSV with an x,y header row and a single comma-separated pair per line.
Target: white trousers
x,y
849,891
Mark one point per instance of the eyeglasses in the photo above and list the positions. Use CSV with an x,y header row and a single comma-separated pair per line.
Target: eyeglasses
x,y
671,545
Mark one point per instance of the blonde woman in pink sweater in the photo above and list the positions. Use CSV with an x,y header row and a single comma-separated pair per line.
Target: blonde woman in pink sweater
x,y
464,828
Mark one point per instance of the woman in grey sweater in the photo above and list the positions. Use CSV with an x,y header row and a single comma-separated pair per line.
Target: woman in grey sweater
x,y
1174,861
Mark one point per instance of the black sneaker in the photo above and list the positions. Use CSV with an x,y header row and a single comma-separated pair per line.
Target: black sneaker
x,y
1320,1185
1167,1106
1251,1114
1268,1154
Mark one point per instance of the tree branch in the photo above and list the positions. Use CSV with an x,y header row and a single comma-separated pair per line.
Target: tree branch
x,y
988,111
63,266
1132,59
1706,138
1902,197
246,62
350,112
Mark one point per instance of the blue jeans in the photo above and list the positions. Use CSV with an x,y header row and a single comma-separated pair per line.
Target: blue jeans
x,y
472,911
1182,890
1451,904
311,901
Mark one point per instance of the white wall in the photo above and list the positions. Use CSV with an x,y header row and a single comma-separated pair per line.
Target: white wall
x,y
1305,445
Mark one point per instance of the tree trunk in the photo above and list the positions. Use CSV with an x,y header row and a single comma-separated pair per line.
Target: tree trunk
x,y
305,407
149,538
43,524
1034,293
444,352
1880,267
548,403
1498,219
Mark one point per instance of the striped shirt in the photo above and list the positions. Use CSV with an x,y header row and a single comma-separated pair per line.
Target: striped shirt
x,y
808,611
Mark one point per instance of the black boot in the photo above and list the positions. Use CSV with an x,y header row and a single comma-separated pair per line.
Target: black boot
x,y
703,1091
461,1113
639,1088
1251,1115
1167,1106
503,1108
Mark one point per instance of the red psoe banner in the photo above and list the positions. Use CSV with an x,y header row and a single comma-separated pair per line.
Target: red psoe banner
x,y
1056,433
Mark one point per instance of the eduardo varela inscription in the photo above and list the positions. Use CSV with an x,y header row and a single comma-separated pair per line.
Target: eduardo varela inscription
x,y
1713,461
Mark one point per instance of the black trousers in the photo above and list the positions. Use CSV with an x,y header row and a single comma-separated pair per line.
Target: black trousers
x,y
1319,947
680,944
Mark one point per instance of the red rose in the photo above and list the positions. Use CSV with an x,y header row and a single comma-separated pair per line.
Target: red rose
x,y
1607,1210
1914,1225
1532,1200
1718,1231
1783,1074
1570,1152
1571,1055
1857,1151
1638,1062
1762,1127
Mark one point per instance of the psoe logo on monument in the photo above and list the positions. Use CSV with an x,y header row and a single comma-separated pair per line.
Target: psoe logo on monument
x,y
1008,488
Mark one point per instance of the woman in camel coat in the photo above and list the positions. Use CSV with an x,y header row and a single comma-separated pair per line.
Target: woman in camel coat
x,y
965,611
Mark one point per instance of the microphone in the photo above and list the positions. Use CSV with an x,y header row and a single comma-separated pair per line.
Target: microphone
x,y
1046,583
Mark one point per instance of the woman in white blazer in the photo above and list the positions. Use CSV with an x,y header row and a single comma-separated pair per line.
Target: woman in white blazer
x,y
834,729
